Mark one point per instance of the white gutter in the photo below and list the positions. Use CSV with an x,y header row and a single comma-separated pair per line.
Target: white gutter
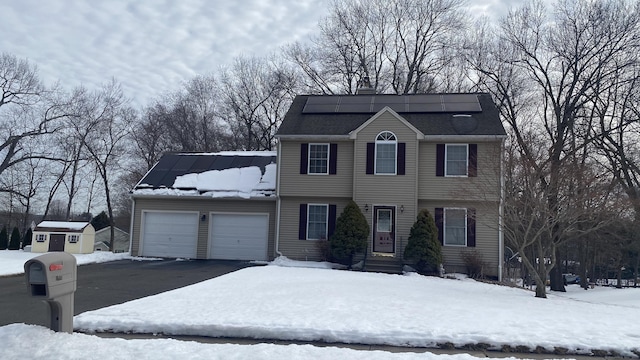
x,y
463,138
133,215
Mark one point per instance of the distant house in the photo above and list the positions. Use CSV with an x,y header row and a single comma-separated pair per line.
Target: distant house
x,y
72,237
392,154
103,237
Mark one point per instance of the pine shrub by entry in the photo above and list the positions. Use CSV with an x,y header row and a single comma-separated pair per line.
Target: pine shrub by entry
x,y
423,247
351,234
14,243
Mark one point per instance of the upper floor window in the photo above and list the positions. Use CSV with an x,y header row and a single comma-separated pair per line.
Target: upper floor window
x,y
74,238
457,160
456,163
318,158
386,148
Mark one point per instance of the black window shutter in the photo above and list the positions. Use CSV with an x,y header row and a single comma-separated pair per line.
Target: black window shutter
x,y
471,227
439,218
439,159
473,160
331,221
402,149
304,158
302,225
333,159
371,157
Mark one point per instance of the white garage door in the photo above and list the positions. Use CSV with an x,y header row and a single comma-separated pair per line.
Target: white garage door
x,y
168,234
239,237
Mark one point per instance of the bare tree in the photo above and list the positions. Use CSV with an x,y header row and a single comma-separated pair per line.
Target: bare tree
x,y
544,72
255,97
402,46
110,118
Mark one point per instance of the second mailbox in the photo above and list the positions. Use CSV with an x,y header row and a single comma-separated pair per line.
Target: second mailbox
x,y
51,275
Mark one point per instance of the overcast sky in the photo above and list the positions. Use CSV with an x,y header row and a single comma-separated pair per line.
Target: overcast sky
x,y
152,46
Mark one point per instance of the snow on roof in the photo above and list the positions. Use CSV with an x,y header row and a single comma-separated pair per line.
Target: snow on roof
x,y
71,225
245,182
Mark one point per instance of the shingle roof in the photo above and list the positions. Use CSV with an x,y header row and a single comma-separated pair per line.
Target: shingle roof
x,y
172,165
442,117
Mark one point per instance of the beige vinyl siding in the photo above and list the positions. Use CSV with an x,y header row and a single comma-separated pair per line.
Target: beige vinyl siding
x,y
487,235
289,244
204,206
484,187
389,190
292,183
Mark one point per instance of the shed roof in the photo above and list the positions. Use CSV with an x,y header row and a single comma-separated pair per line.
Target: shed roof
x,y
62,226
432,114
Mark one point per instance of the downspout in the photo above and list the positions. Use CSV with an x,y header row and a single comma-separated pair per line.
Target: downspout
x,y
133,213
278,170
501,214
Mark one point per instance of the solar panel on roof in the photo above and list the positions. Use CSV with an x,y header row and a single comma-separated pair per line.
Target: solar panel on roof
x,y
184,163
202,163
420,103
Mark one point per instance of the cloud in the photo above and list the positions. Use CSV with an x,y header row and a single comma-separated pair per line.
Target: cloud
x,y
149,46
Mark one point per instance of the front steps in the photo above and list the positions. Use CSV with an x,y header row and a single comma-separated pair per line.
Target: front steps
x,y
383,264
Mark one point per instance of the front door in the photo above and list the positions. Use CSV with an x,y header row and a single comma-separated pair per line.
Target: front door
x,y
384,229
56,242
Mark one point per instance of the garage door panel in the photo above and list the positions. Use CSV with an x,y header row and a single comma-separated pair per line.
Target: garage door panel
x,y
239,237
170,234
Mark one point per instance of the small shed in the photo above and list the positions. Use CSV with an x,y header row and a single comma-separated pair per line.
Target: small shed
x,y
121,238
70,236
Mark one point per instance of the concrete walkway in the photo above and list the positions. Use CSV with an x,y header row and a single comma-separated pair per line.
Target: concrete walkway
x,y
363,347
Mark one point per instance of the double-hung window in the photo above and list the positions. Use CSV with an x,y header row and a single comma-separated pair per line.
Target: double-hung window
x,y
318,159
386,148
455,227
317,215
457,160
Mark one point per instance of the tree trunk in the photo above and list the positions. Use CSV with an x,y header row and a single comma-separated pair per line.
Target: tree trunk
x,y
556,278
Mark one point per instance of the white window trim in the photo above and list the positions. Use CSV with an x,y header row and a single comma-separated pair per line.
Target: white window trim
x,y
444,227
326,222
446,162
309,159
375,154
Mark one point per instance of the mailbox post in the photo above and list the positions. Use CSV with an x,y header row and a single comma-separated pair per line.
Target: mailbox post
x,y
52,277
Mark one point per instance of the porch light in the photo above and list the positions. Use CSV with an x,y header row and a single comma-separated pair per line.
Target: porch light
x,y
203,217
366,207
401,208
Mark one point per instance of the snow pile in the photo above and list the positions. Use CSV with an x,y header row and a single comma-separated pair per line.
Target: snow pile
x,y
286,262
274,302
12,261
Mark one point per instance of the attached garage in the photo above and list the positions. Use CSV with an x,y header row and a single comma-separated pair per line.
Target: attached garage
x,y
239,236
170,234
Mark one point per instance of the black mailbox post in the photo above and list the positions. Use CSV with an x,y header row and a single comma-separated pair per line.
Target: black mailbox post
x,y
52,277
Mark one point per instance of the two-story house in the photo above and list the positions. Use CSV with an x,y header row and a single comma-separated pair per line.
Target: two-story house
x,y
392,154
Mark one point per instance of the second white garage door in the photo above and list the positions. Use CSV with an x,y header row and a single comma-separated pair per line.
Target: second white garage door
x,y
239,237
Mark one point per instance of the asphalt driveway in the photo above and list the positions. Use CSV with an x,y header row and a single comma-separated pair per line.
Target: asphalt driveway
x,y
101,285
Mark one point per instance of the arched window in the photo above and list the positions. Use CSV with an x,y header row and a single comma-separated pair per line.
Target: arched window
x,y
386,150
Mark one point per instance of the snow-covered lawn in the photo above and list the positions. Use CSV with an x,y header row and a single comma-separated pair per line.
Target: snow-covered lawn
x,y
12,261
292,303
